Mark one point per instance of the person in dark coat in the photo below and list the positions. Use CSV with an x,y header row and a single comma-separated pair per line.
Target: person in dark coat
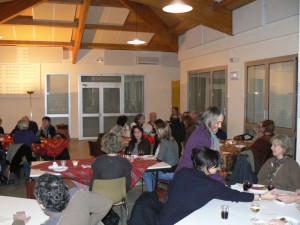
x,y
46,130
31,125
178,131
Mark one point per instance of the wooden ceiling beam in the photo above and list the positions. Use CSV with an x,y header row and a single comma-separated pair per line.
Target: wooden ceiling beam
x,y
107,3
145,13
153,47
125,27
28,20
8,10
79,32
73,2
231,4
36,43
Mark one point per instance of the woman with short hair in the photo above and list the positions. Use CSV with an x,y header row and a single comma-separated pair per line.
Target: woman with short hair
x,y
281,170
121,129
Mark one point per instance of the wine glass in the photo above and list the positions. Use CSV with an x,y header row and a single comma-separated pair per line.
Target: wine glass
x,y
141,152
270,186
247,185
255,207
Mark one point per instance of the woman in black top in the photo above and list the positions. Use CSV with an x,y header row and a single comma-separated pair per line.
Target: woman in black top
x,y
138,145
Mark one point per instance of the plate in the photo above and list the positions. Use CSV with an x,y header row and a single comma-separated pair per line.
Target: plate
x,y
148,157
292,221
240,146
254,191
59,168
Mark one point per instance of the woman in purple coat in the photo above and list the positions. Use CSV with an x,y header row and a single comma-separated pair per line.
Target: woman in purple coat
x,y
204,135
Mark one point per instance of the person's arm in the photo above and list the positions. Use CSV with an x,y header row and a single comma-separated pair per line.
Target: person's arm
x,y
288,198
270,195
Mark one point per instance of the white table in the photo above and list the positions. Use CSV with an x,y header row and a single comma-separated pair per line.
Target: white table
x,y
10,205
240,213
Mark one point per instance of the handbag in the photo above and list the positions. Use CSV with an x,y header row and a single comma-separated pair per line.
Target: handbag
x,y
111,218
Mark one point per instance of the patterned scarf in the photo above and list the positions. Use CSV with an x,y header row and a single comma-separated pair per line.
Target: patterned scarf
x,y
274,168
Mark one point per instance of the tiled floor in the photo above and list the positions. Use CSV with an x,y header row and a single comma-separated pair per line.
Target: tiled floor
x,y
78,150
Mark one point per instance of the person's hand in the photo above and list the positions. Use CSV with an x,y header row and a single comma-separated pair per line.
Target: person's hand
x,y
270,195
21,216
287,198
276,222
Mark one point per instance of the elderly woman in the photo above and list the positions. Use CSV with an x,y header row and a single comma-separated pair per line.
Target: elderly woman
x,y
167,151
139,119
281,170
23,135
111,166
192,188
63,206
204,135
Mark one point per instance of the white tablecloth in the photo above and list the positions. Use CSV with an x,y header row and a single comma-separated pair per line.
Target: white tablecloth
x,y
240,213
10,205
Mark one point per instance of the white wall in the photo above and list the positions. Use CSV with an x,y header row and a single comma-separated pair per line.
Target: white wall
x,y
157,81
267,35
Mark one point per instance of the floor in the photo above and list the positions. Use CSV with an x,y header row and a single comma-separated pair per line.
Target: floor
x,y
77,150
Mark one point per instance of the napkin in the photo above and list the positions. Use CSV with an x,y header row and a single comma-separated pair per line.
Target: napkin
x,y
86,166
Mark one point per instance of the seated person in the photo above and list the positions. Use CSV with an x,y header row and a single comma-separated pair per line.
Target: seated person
x,y
281,170
152,119
23,135
138,145
1,128
31,125
167,152
63,206
148,133
121,129
111,166
139,119
192,188
261,144
46,130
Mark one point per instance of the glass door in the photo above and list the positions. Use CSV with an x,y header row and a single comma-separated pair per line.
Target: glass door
x,y
100,107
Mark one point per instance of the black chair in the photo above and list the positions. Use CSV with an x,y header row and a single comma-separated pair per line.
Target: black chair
x,y
95,146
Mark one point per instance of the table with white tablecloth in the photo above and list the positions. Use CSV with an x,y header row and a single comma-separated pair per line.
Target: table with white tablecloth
x,y
10,205
240,213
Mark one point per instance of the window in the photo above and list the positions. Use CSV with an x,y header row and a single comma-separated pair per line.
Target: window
x,y
271,93
57,98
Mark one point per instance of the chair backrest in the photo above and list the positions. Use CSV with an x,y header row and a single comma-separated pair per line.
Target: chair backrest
x,y
114,189
30,184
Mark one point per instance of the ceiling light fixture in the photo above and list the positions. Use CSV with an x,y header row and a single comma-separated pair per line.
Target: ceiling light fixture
x,y
177,6
136,40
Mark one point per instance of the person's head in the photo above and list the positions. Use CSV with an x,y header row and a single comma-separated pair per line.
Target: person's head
x,y
111,143
164,131
51,192
212,118
194,115
26,118
281,145
158,123
185,113
23,125
122,120
139,119
268,126
175,110
206,159
46,120
147,128
137,132
187,121
152,117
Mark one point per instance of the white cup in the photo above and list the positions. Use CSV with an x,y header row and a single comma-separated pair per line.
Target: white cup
x,y
63,163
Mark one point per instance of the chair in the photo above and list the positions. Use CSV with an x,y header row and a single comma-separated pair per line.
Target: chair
x,y
115,189
30,184
95,146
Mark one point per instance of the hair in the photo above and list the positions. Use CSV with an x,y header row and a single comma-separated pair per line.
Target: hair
x,y
23,125
188,121
122,120
205,158
111,143
175,108
147,128
210,116
152,113
46,118
284,142
268,125
138,117
51,191
164,131
140,128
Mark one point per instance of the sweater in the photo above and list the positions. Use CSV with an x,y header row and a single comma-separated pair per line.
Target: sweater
x,y
287,178
168,152
190,190
26,137
84,208
144,145
111,167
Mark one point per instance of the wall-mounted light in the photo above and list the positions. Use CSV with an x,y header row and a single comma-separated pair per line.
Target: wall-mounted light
x,y
234,75
100,60
177,6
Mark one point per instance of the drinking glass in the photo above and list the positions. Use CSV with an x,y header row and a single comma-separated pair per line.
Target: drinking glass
x,y
63,163
255,207
141,152
270,186
224,211
247,185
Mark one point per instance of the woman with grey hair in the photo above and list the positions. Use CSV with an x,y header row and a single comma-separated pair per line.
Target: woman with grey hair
x,y
63,206
281,170
111,166
204,135
23,135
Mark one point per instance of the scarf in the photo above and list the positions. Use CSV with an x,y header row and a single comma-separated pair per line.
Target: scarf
x,y
274,168
215,144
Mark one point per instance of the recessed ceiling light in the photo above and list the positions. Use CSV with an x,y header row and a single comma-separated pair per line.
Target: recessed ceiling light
x,y
177,6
